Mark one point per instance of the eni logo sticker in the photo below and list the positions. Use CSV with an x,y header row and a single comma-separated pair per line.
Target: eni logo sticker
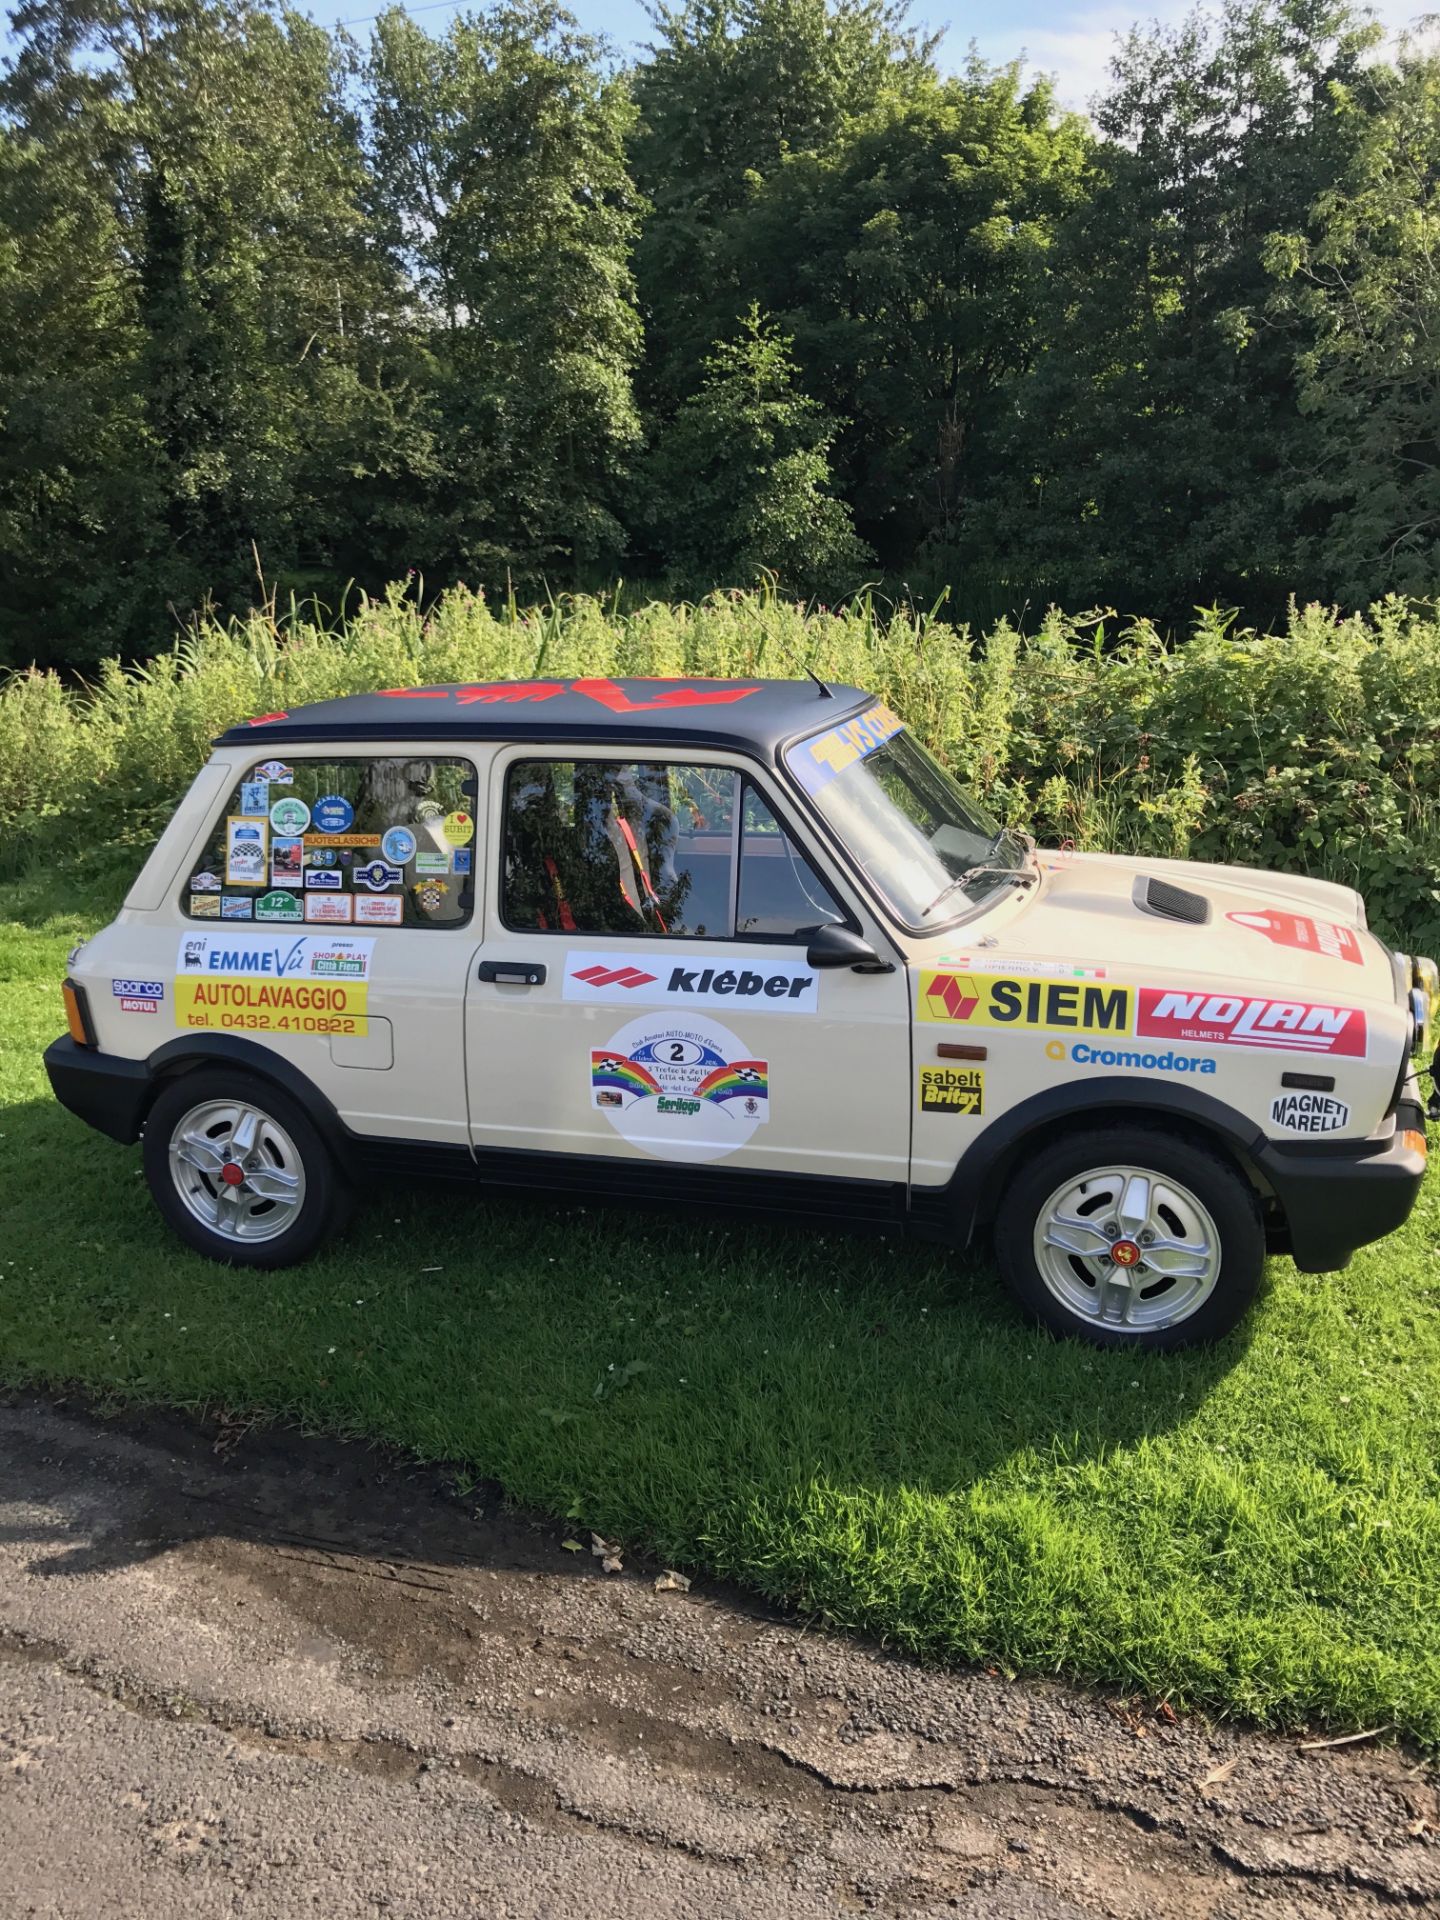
x,y
997,1000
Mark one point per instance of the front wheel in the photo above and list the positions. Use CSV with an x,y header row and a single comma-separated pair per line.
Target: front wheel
x,y
1130,1238
240,1171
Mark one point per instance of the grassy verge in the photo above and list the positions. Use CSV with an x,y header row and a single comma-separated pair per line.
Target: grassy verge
x,y
858,1427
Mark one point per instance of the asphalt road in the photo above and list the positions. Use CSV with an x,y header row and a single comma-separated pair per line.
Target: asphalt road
x,y
287,1677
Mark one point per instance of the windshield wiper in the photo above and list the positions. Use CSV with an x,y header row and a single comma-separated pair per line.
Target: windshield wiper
x,y
1018,874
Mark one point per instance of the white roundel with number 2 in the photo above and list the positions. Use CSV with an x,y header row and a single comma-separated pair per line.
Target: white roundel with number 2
x,y
687,1090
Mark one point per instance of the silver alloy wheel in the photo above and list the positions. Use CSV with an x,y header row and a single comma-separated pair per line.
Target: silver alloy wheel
x,y
1128,1248
237,1170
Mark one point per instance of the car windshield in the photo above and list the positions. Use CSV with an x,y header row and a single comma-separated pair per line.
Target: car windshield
x,y
927,846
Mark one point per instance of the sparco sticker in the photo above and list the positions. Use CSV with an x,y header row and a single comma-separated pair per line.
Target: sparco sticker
x,y
688,1090
994,1000
1310,936
272,982
1309,1113
662,978
1248,1020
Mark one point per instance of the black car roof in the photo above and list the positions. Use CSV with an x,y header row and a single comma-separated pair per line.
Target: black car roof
x,y
743,714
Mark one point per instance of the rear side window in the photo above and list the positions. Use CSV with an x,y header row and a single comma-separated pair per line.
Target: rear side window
x,y
375,842
652,847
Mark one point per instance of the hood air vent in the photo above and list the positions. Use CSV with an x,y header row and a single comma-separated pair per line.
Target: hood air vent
x,y
1169,902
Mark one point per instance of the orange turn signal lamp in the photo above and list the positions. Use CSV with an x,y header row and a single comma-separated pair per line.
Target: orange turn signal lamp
x,y
77,1014
1415,1140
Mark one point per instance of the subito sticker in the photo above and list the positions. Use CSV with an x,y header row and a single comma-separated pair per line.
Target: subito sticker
x,y
247,847
205,906
686,1090
333,909
1309,1113
398,845
272,982
952,1090
999,1000
333,814
458,827
1310,936
279,905
290,816
386,910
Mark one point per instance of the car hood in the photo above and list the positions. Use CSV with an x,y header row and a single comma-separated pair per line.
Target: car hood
x,y
1276,929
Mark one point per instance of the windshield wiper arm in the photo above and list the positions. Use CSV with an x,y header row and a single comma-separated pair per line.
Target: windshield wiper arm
x,y
1019,875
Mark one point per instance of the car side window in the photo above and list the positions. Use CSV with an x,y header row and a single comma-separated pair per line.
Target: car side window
x,y
375,841
651,847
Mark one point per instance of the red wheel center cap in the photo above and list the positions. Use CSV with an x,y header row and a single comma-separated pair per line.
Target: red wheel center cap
x,y
232,1175
1125,1253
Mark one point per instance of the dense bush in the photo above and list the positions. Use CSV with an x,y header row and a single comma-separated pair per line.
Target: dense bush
x,y
1315,749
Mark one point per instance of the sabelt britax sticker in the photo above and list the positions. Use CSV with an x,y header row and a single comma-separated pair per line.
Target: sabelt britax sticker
x,y
664,978
272,982
1251,1020
952,1090
997,1000
1309,1113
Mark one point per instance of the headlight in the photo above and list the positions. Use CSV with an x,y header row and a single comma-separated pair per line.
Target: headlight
x,y
1424,1002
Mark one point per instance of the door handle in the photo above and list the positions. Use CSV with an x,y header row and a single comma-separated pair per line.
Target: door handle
x,y
513,973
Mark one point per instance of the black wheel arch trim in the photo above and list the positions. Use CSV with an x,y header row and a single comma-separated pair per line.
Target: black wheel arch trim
x,y
187,1052
969,1198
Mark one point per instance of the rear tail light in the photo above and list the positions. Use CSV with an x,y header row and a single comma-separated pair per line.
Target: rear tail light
x,y
77,1015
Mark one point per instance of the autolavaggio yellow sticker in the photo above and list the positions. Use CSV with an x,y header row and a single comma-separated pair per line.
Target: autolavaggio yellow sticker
x,y
271,1006
996,1000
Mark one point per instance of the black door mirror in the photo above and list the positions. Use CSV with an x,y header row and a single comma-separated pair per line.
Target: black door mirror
x,y
834,946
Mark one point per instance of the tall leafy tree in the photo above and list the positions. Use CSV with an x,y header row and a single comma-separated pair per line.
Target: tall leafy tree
x,y
1359,295
501,153
740,483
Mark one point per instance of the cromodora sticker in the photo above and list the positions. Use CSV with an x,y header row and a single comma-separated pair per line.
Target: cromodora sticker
x,y
686,1090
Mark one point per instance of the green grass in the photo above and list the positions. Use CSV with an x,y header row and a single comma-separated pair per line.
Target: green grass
x,y
860,1428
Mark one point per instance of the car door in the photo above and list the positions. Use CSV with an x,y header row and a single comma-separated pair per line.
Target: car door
x,y
643,992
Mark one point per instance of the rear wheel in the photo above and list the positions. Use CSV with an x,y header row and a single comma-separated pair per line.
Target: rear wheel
x,y
240,1171
1127,1237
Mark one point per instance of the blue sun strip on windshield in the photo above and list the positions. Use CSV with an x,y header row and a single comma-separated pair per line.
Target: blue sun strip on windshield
x,y
824,757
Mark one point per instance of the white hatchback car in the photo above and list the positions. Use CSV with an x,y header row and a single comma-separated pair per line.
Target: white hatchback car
x,y
743,942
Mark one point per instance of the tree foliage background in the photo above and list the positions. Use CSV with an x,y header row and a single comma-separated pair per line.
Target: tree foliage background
x,y
279,309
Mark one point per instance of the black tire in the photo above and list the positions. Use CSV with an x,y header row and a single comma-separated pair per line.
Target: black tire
x,y
318,1215
1205,1176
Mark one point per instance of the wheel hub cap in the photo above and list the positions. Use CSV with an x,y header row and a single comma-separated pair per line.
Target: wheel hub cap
x,y
1128,1248
237,1170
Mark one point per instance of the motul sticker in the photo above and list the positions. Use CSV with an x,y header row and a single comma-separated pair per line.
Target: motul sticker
x,y
996,1000
1247,1020
1310,936
664,978
1309,1113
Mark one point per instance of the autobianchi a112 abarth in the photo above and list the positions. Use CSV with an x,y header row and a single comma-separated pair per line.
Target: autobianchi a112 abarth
x,y
743,942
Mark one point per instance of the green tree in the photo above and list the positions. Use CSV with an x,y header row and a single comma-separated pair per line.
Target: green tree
x,y
740,482
501,155
731,88
1359,294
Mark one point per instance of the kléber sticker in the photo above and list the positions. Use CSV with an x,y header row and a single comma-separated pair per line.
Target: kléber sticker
x,y
689,1090
272,982
664,978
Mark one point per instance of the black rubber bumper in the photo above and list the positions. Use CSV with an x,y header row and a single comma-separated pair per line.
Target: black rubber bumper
x,y
107,1093
1336,1199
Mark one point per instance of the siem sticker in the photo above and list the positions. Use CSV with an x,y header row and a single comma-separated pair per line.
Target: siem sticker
x,y
997,1000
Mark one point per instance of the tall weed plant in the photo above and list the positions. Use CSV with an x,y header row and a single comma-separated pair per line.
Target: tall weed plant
x,y
1315,749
